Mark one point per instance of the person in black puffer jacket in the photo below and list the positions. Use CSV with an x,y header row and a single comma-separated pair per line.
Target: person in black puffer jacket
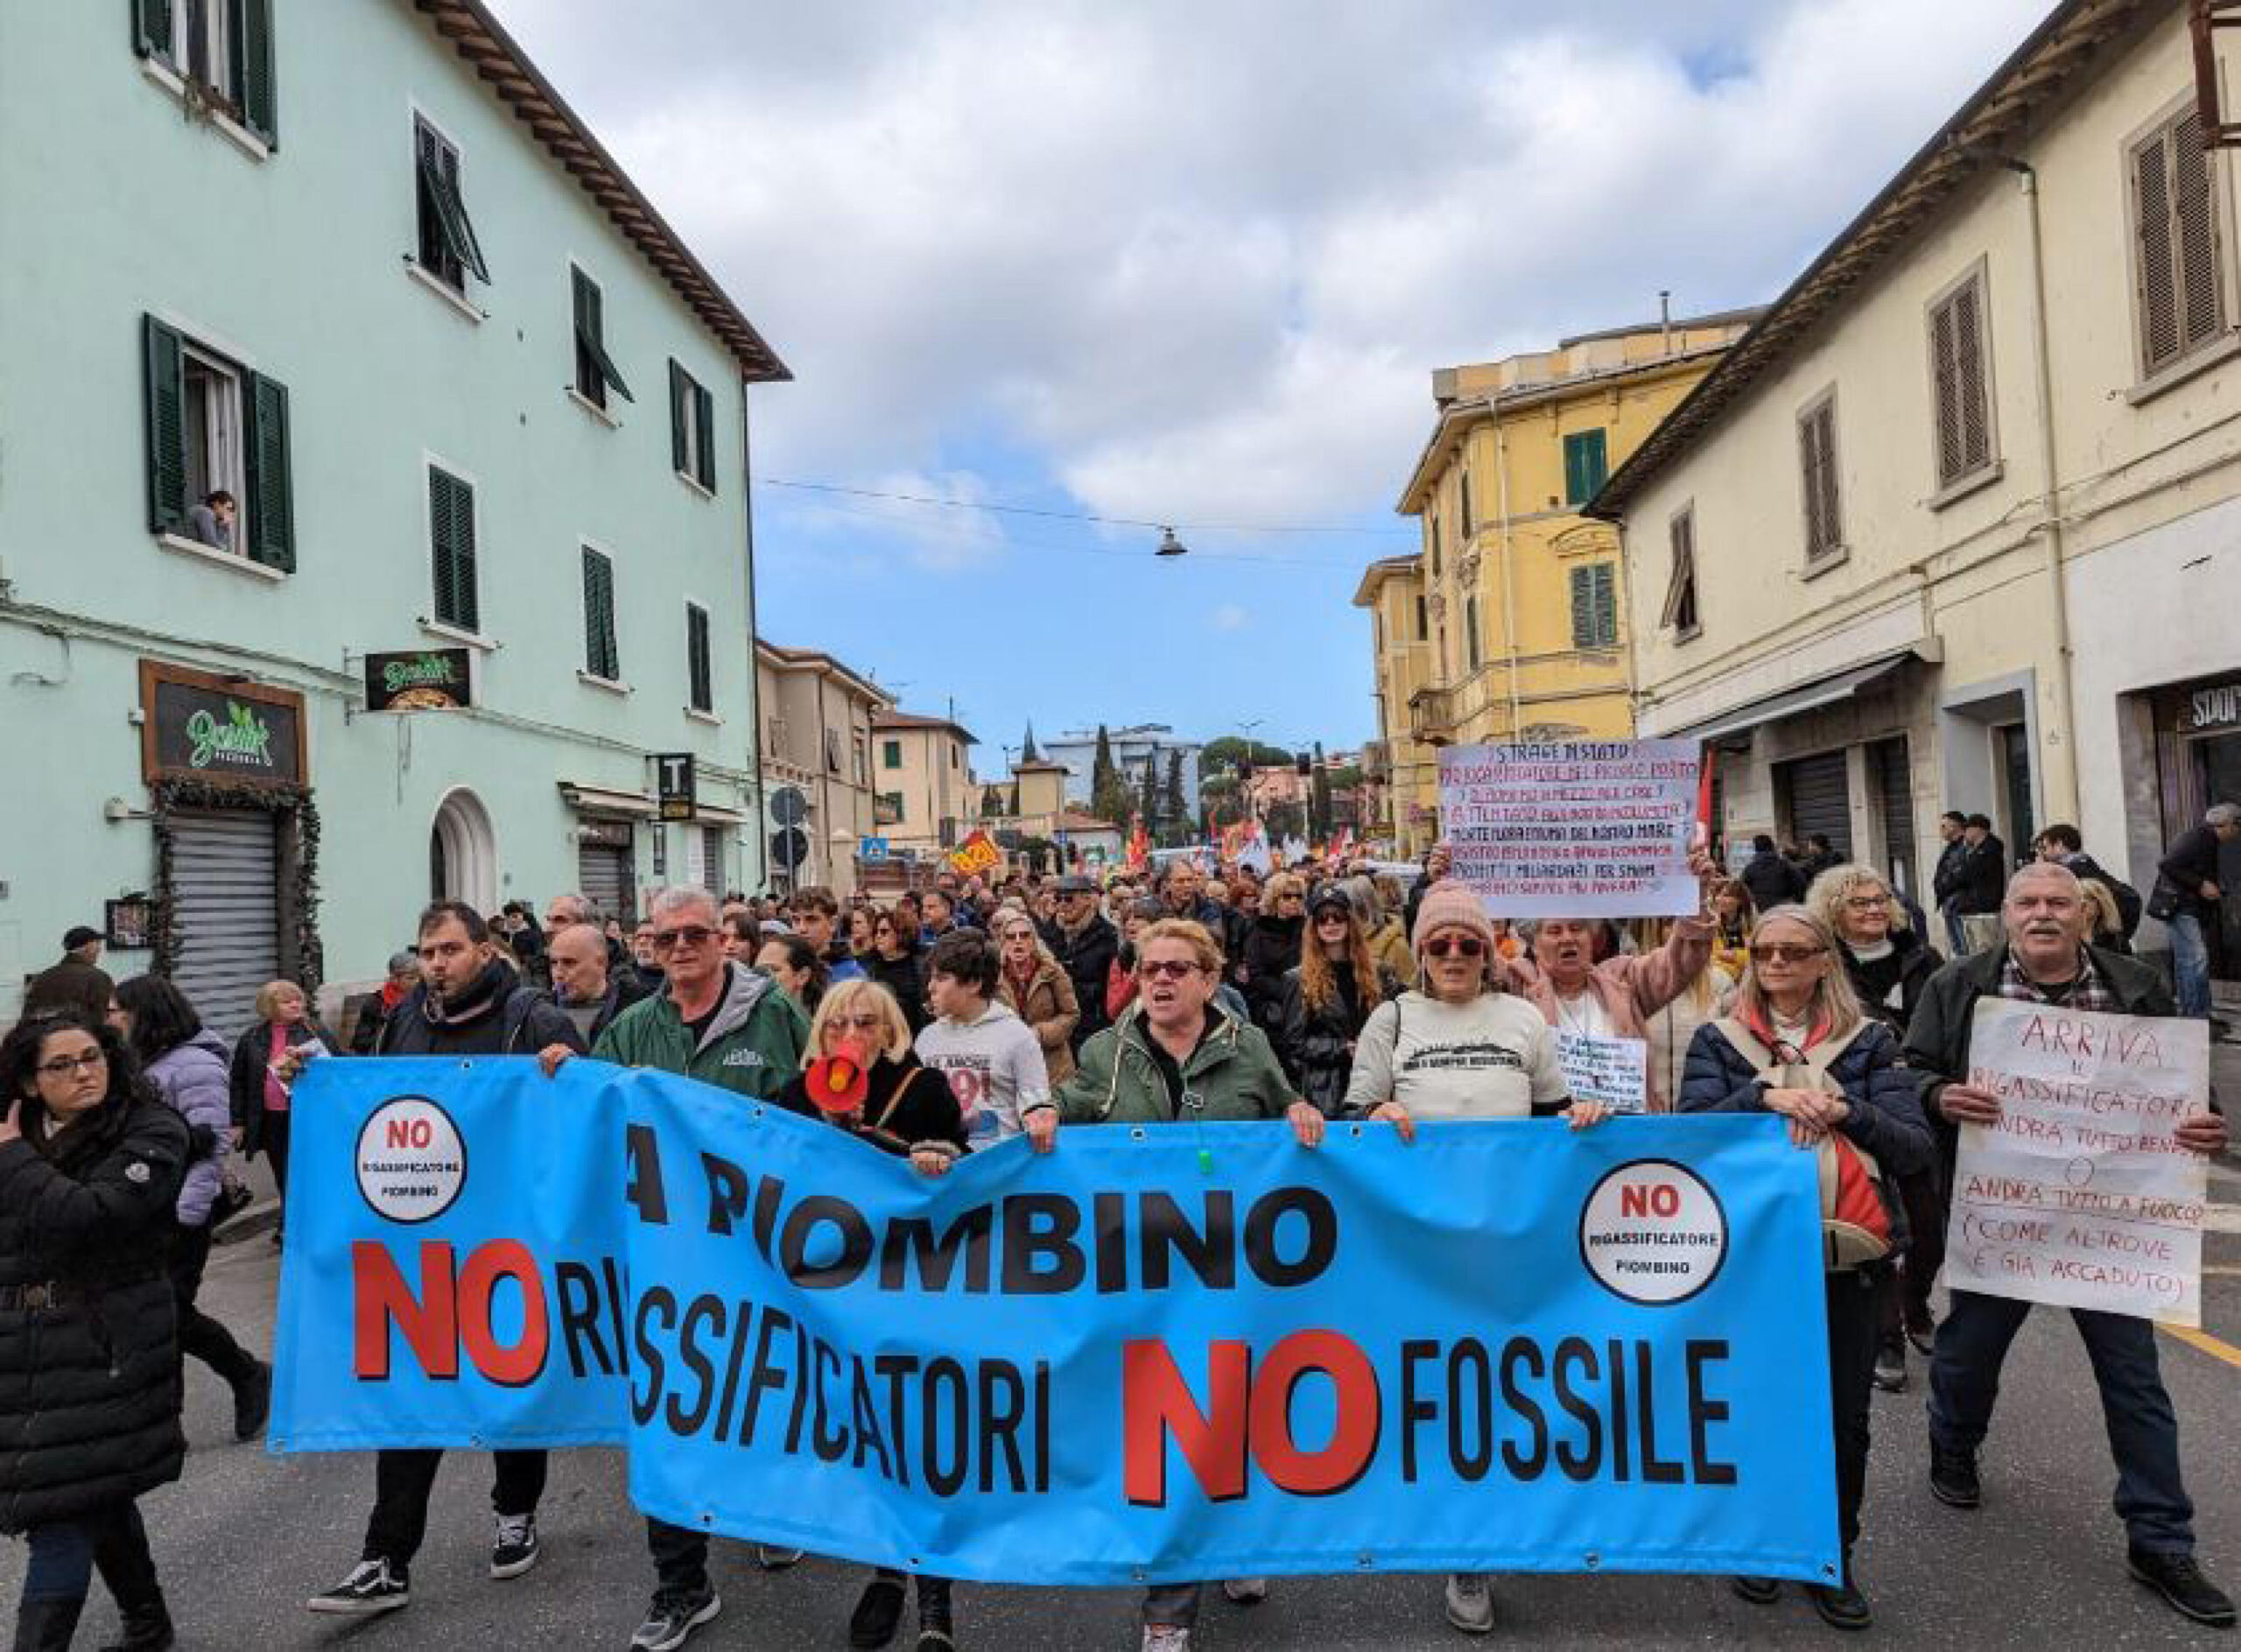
x,y
1272,940
1326,999
90,1165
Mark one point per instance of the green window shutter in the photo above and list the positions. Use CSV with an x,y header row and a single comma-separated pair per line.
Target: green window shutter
x,y
591,327
451,523
165,374
697,660
1585,466
152,27
1583,608
598,617
252,78
1604,600
272,500
679,388
704,459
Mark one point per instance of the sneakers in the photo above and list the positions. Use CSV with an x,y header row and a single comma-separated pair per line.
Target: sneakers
x,y
1245,1592
371,1587
1166,1637
1470,1602
1953,1478
936,1633
1759,1591
252,1401
2180,1581
1891,1366
773,1557
1841,1604
513,1548
672,1618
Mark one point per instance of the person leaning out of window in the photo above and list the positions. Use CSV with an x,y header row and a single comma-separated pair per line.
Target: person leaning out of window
x,y
90,1166
1798,1045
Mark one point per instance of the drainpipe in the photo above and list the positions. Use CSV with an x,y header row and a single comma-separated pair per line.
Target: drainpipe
x,y
760,832
2060,799
1509,565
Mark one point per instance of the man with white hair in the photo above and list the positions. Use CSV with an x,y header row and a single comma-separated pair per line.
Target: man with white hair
x,y
2189,870
2046,961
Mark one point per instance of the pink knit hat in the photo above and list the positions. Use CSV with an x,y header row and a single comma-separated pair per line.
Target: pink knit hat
x,y
1448,905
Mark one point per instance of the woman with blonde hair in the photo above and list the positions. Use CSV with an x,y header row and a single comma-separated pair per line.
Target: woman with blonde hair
x,y
1888,964
1327,997
1272,946
1038,989
1798,1045
257,1094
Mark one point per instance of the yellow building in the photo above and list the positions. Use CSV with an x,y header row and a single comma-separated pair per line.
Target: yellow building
x,y
1523,619
1400,773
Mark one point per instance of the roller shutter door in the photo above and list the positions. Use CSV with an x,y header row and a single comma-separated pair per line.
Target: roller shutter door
x,y
603,873
710,872
1819,799
1887,762
226,904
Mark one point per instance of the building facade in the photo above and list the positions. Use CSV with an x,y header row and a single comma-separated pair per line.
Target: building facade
x,y
924,796
475,406
816,731
1131,746
1400,772
1953,526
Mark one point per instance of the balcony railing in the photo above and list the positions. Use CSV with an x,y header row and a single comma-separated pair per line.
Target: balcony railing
x,y
1431,716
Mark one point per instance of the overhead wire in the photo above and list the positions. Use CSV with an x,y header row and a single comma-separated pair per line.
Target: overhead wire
x,y
1083,515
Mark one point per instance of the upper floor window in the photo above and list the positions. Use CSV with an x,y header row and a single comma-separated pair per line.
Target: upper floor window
x,y
595,369
1817,456
603,658
222,48
2178,288
1423,621
1463,518
691,428
1432,521
1595,606
450,541
447,248
218,451
891,754
1680,610
863,769
1961,380
1586,464
1470,632
699,663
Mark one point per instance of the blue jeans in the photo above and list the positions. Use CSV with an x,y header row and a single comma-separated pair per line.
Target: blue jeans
x,y
2143,1429
2190,965
64,1552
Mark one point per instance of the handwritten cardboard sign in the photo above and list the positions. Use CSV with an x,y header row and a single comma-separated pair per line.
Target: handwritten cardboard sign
x,y
2080,1195
1586,829
1612,1071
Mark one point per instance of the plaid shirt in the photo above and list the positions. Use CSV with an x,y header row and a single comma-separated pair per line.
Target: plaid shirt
x,y
2085,993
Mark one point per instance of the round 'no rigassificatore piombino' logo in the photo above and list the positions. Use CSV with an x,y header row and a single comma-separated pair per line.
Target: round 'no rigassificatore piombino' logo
x,y
1653,1232
411,1162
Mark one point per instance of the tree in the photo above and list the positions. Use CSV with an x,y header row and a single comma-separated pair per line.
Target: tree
x,y
1318,799
1108,788
1282,820
1028,752
1148,797
1221,800
992,800
1040,853
1217,756
1173,805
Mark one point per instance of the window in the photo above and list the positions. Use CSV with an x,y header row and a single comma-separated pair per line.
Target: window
x,y
451,538
863,763
1960,381
1681,587
1595,606
222,47
1471,631
887,809
2177,278
1816,455
447,249
601,659
1462,528
953,755
595,370
215,426
1586,464
699,668
1434,520
832,752
891,754
691,428
1424,621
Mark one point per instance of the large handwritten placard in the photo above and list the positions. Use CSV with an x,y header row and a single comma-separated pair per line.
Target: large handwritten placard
x,y
2081,1196
1591,829
1614,1071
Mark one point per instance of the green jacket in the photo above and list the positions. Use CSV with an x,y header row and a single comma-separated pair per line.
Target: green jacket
x,y
754,1047
1234,1072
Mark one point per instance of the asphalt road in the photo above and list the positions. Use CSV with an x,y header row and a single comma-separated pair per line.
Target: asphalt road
x,y
245,1536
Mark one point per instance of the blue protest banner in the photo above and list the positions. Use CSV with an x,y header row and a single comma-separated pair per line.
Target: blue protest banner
x,y
1159,1353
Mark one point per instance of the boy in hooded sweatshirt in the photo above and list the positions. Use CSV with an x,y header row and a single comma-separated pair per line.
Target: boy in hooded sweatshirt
x,y
992,1058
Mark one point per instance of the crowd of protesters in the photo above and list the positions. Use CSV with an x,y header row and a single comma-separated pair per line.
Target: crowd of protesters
x,y
975,1011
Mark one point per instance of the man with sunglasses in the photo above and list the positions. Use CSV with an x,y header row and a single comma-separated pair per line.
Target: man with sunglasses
x,y
719,1021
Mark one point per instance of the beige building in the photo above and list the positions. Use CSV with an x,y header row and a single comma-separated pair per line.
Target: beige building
x,y
924,795
1400,772
1955,525
816,739
1035,806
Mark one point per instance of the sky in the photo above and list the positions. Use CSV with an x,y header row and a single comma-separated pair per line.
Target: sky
x,y
1193,261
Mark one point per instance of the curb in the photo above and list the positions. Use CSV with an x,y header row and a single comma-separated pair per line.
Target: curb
x,y
260,1218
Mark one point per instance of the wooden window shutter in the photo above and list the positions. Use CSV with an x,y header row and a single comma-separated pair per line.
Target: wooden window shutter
x,y
450,517
1816,438
252,45
697,660
1680,610
2194,203
165,375
1463,505
2155,282
152,27
271,499
1471,630
598,616
596,373
704,457
1975,386
1603,598
1583,608
1832,514
1945,389
680,386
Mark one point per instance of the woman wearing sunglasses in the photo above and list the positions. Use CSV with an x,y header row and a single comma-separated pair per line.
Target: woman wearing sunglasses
x,y
90,1165
1798,1044
1327,998
905,1108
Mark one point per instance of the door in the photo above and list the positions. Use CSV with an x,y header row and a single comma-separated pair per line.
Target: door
x,y
604,873
2218,762
711,870
1819,799
226,907
1894,785
2013,743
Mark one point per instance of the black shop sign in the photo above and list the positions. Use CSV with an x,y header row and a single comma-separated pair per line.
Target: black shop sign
x,y
197,726
420,679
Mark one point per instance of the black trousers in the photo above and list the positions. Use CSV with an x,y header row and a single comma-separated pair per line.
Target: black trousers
x,y
198,1334
1852,1295
680,1557
273,1143
1905,1290
403,1480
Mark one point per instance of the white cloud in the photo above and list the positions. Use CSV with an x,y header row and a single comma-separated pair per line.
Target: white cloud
x,y
1230,617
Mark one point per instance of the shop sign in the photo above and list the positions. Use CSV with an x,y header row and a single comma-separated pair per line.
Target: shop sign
x,y
422,679
674,785
2206,709
197,726
611,834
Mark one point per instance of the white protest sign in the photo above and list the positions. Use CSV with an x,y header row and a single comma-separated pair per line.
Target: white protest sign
x,y
2080,1195
1591,829
1614,1071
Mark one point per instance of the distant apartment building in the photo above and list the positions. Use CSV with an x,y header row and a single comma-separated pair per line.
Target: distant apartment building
x,y
815,743
1131,746
924,796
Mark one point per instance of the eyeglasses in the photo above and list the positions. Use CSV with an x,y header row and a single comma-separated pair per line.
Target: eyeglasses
x,y
62,1065
1784,952
1338,918
691,935
1867,902
1460,945
1280,899
871,1022
1166,968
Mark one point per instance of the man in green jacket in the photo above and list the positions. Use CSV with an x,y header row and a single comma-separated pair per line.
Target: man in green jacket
x,y
1177,1057
723,1024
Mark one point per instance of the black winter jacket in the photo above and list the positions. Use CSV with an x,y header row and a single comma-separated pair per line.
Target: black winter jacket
x,y
906,1103
2191,862
496,1015
1982,883
1909,968
89,1388
1772,881
1087,954
245,1075
1314,1045
1887,1113
1271,952
1938,1038
901,977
